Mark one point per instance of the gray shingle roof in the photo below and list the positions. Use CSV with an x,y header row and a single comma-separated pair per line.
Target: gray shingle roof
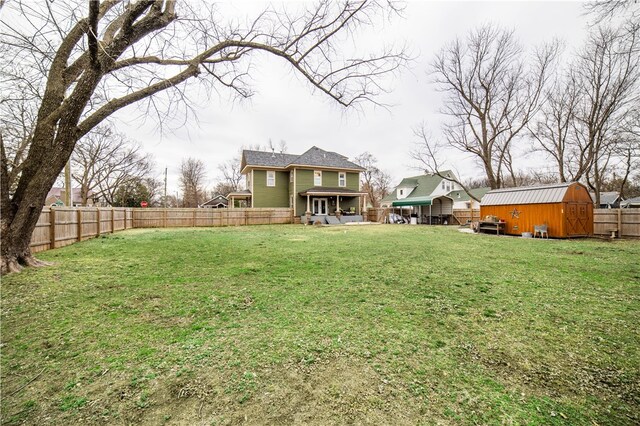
x,y
312,157
606,198
268,159
319,157
542,194
631,202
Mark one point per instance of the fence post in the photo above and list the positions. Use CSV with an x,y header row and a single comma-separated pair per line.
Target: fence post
x,y
125,210
52,228
194,217
79,224
619,223
113,221
164,217
99,221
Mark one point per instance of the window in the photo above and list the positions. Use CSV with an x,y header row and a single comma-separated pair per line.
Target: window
x,y
271,178
317,178
402,192
443,184
342,179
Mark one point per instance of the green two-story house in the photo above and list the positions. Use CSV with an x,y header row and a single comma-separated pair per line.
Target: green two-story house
x,y
317,183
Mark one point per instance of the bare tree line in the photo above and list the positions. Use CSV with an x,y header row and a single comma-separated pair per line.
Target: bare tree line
x,y
582,115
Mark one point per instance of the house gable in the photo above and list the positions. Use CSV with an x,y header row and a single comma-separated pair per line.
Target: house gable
x,y
421,186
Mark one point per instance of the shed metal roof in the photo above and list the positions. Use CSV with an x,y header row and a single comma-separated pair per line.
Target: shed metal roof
x,y
543,194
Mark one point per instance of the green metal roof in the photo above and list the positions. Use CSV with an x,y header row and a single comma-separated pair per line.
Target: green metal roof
x,y
460,195
424,185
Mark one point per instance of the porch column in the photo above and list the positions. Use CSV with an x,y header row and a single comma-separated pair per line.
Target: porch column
x,y
337,203
232,202
308,204
364,204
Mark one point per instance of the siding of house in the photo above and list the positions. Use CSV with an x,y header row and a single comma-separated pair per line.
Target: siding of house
x,y
270,196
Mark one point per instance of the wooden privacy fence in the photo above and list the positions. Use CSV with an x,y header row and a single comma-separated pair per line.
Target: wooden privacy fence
x,y
464,216
61,226
171,218
625,222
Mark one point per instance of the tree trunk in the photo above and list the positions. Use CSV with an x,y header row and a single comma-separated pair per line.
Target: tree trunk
x,y
21,212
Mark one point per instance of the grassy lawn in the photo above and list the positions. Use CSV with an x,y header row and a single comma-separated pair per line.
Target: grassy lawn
x,y
292,324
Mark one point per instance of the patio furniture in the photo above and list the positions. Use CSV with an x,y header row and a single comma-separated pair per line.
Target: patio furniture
x,y
541,229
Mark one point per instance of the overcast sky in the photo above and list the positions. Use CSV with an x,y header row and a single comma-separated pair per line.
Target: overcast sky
x,y
284,107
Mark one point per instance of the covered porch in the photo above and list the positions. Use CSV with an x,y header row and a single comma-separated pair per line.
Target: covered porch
x,y
425,210
243,197
340,203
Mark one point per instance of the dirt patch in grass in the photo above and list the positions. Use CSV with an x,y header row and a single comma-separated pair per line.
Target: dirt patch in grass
x,y
336,391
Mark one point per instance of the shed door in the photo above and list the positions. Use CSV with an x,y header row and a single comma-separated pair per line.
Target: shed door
x,y
577,217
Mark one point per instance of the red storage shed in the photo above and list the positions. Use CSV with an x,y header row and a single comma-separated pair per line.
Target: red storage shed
x,y
566,209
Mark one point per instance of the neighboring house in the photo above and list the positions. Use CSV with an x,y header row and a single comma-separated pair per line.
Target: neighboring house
x,y
427,196
462,200
608,200
56,197
631,203
317,183
217,202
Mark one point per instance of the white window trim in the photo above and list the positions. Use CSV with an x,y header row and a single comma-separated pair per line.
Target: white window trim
x,y
342,179
272,173
314,178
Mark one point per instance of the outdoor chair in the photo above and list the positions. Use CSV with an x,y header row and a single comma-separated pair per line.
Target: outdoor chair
x,y
542,229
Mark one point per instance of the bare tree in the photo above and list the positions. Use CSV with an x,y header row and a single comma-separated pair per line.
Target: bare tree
x,y
16,128
192,175
105,160
374,181
604,10
553,127
427,153
607,72
83,64
232,177
492,93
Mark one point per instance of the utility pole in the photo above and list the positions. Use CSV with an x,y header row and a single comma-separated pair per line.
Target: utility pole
x,y
67,184
165,187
